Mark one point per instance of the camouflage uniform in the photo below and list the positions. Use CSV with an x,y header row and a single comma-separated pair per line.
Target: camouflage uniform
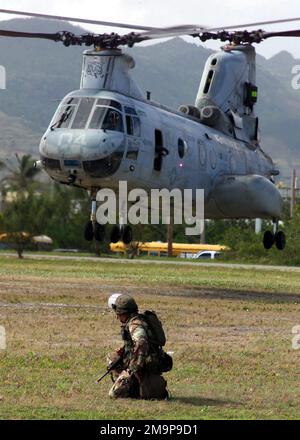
x,y
140,374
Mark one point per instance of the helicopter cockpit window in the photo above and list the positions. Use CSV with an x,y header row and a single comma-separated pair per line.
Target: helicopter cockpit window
x,y
107,119
83,112
109,103
70,101
65,113
113,121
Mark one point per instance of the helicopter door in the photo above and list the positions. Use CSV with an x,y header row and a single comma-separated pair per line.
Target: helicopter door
x,y
133,141
160,150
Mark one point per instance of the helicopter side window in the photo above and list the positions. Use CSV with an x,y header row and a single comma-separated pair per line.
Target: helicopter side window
x,y
129,125
130,110
83,113
136,126
133,126
181,148
208,81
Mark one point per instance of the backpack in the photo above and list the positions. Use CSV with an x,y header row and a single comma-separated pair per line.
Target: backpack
x,y
158,339
158,334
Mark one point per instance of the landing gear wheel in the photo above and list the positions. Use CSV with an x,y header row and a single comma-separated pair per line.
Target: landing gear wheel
x,y
280,240
127,234
89,231
268,239
99,232
115,234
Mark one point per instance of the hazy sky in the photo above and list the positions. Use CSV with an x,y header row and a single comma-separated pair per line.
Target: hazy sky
x,y
168,13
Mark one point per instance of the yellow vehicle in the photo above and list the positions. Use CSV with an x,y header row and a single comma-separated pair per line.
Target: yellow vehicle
x,y
9,236
38,241
160,248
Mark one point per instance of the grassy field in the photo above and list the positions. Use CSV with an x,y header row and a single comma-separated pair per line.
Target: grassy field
x,y
230,331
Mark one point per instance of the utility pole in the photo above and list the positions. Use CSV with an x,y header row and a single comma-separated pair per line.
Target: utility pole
x,y
170,235
202,235
293,192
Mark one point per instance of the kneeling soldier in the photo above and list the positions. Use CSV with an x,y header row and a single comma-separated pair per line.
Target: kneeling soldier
x,y
138,374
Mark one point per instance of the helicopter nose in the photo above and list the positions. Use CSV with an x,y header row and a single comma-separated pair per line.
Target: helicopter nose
x,y
80,145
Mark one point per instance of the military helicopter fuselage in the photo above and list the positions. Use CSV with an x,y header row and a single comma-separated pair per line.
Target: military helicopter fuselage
x,y
108,132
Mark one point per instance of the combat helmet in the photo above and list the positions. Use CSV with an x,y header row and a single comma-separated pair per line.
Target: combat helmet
x,y
123,304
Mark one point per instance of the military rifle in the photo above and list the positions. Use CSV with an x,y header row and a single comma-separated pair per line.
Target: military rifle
x,y
112,366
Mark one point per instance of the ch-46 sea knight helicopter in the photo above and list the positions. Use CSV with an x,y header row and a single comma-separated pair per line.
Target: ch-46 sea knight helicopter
x,y
108,131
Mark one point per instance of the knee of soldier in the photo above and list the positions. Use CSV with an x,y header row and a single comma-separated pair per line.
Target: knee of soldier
x,y
112,393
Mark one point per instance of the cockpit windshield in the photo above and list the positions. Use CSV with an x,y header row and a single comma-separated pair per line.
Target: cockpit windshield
x,y
83,113
89,113
107,119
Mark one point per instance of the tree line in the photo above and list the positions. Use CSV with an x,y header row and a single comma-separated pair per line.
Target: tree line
x,y
42,207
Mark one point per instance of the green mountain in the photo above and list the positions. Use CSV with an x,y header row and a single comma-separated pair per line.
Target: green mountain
x,y
40,73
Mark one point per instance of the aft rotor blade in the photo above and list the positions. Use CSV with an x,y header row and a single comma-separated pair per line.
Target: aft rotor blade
x,y
77,20
198,29
258,23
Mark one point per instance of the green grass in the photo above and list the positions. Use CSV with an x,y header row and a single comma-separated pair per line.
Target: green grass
x,y
187,275
230,331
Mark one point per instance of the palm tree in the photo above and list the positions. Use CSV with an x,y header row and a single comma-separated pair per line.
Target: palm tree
x,y
19,178
21,173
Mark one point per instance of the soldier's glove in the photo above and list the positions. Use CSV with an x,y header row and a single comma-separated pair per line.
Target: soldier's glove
x,y
120,351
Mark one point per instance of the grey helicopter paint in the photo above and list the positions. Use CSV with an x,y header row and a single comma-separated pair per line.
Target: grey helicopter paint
x,y
221,156
107,131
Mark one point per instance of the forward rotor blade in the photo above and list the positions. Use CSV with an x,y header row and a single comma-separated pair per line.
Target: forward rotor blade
x,y
5,33
294,33
77,20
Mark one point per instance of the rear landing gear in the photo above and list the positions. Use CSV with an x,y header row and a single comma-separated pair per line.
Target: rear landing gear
x,y
127,234
277,237
280,240
121,232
